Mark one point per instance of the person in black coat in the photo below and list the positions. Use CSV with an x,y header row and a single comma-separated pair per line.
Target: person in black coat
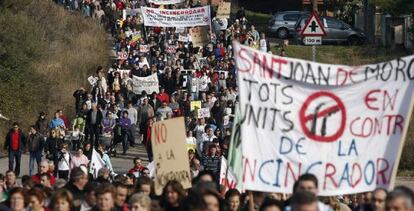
x,y
15,145
52,148
93,124
80,96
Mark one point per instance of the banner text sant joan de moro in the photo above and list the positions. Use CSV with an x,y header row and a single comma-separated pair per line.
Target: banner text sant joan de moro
x,y
344,124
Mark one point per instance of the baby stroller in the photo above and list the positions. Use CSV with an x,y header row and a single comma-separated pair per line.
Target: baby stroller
x,y
76,139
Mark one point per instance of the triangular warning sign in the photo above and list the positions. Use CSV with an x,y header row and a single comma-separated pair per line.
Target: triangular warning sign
x,y
313,27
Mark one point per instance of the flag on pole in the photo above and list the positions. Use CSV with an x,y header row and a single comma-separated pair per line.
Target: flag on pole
x,y
96,163
235,163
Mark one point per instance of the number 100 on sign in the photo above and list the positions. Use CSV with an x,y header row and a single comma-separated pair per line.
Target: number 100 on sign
x,y
312,40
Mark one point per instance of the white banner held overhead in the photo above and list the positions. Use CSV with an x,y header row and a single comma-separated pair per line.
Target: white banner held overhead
x,y
198,16
164,2
148,84
343,124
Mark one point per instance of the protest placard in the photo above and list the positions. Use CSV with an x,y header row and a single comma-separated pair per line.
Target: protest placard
x,y
190,17
130,12
224,9
170,153
179,29
203,113
124,73
135,38
199,36
122,55
171,49
183,38
346,125
92,80
144,48
148,84
164,2
195,105
227,178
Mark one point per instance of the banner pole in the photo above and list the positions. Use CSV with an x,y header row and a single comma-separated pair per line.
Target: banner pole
x,y
400,149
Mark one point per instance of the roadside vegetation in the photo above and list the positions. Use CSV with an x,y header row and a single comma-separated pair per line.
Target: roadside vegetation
x,y
45,54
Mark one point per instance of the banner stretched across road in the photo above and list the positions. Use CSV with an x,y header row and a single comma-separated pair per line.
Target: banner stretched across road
x,y
346,125
163,2
198,16
148,84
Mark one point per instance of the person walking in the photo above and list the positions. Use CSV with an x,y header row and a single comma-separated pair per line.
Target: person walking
x,y
35,147
15,145
42,125
93,123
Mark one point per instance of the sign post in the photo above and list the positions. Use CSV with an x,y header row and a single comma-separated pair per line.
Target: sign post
x,y
312,33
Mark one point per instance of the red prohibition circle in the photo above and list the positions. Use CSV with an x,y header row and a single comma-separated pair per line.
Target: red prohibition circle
x,y
303,119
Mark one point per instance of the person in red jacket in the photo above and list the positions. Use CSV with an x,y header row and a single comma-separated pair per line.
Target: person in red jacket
x,y
15,145
43,168
163,96
137,167
64,118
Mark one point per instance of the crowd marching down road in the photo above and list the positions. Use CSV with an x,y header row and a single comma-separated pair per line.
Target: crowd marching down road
x,y
187,116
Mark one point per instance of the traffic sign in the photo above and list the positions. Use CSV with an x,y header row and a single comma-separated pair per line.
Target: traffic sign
x,y
312,40
313,27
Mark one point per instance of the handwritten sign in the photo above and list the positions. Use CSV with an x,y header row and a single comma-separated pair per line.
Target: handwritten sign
x,y
203,113
171,49
183,38
122,55
343,124
124,73
92,80
199,36
195,105
144,48
170,153
224,10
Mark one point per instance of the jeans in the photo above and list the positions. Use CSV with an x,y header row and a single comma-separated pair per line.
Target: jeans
x,y
34,156
15,156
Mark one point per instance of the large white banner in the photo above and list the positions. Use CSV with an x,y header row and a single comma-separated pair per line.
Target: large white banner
x,y
343,124
163,2
148,84
198,16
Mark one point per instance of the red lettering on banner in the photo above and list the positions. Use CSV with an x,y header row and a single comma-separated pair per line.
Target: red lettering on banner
x,y
369,99
261,63
245,60
388,100
381,171
338,73
352,175
290,169
372,126
247,165
329,175
347,75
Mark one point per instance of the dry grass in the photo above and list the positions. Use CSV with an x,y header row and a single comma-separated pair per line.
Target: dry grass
x,y
72,46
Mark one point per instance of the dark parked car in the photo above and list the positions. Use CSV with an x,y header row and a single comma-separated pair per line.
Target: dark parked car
x,y
336,30
283,23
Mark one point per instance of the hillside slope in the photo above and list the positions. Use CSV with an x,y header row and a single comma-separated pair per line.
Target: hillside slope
x,y
46,53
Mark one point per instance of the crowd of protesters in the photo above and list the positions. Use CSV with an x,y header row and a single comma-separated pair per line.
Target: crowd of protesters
x,y
111,114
